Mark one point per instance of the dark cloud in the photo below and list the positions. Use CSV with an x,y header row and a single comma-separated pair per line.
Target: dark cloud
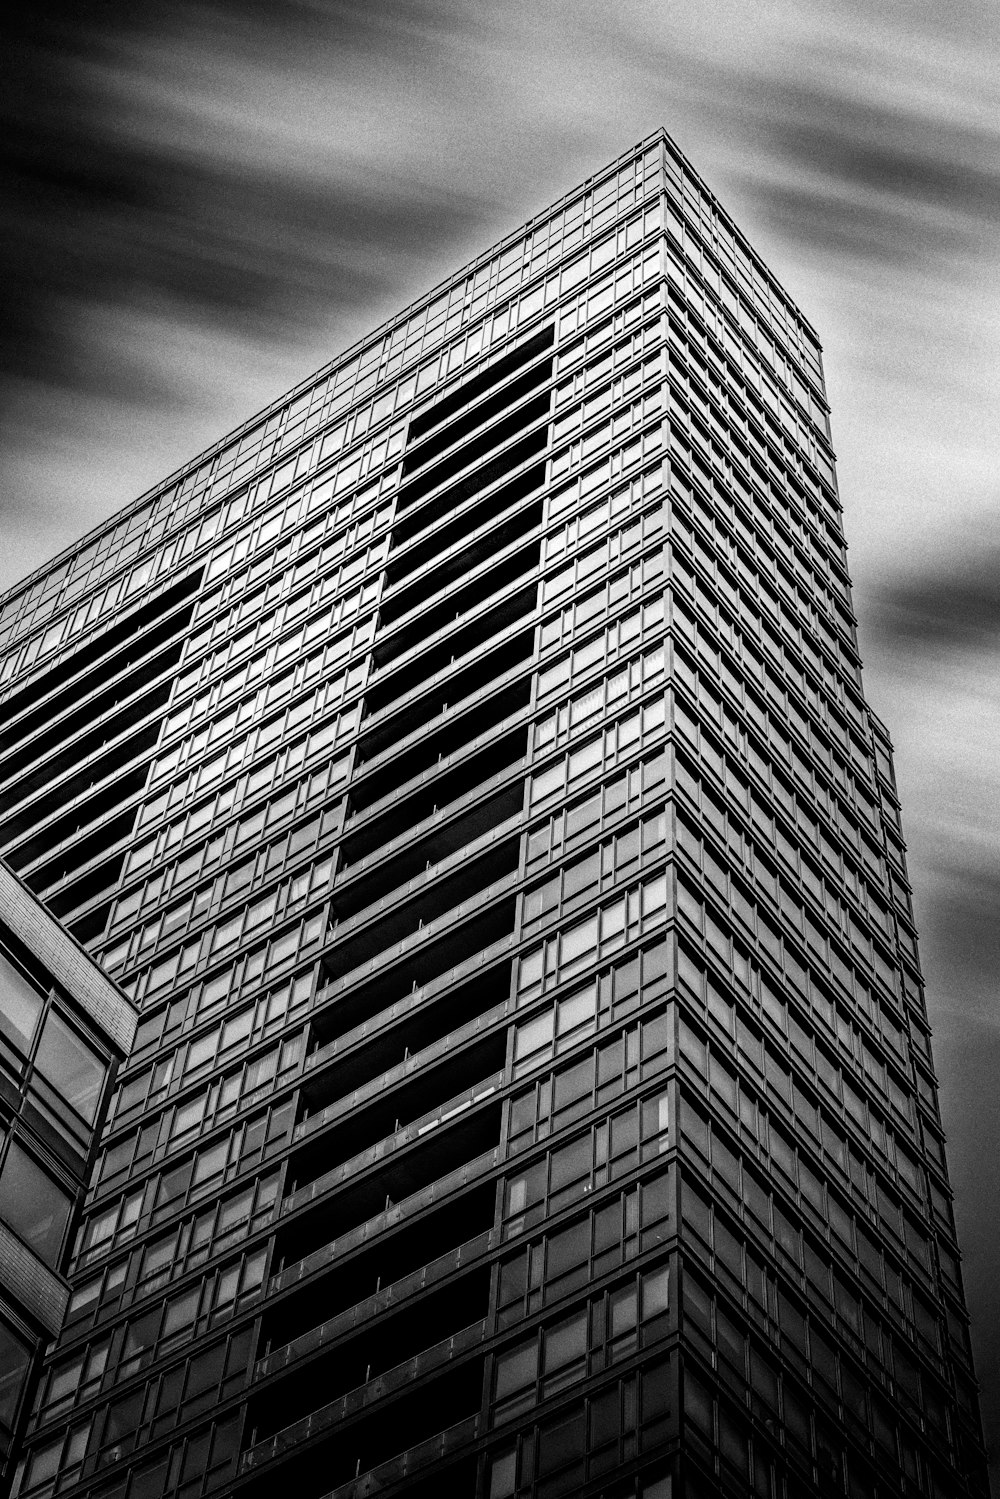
x,y
863,176
254,182
844,219
103,207
962,930
953,605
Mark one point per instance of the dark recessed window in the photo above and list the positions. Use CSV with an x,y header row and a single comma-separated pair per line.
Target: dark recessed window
x,y
68,1063
15,1357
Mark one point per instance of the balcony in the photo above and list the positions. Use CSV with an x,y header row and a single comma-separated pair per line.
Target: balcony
x,y
445,1190
363,1313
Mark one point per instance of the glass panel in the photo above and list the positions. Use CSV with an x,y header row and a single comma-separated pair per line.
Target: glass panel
x,y
33,1205
75,1071
20,1006
15,1356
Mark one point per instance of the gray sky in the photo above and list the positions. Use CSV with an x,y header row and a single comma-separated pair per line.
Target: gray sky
x,y
206,201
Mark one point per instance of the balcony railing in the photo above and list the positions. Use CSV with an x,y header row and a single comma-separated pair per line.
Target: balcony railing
x,y
357,1400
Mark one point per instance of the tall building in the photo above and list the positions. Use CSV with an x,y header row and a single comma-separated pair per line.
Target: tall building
x,y
464,768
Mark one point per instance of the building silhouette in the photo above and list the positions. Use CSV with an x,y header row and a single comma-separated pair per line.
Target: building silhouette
x,y
464,768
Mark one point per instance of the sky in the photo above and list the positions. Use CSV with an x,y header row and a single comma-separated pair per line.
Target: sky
x,y
206,201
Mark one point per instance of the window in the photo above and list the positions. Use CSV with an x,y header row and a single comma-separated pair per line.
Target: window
x,y
15,1359
33,1205
73,1069
20,1006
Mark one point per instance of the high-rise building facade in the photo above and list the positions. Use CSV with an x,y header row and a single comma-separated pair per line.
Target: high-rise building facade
x,y
464,768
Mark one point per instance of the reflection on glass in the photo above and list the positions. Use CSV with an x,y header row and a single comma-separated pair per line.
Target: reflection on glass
x,y
75,1071
15,1356
20,1006
33,1205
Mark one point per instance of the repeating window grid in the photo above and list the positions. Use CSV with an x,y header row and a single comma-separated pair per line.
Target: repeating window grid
x,y
755,281
697,703
584,362
903,1159
724,387
200,536
596,1334
870,1058
624,370
735,289
823,876
198,963
223,928
556,1026
162,1256
755,342
456,585
768,747
213,763
758,917
613,743
632,679
873,1264
734,621
565,952
598,869
720,359
175,1117
347,472
630,500
247,627
156,1192
813,615
295,851
226,853
769,527
588,1079
625,627
806,756
614,798
729,1322
282,772
838,629
204,760
614,1145
770,531
753,468
576,1254
639,423
171,1035
733,609
297,557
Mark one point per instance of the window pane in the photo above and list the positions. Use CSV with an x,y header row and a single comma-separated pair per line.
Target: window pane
x,y
20,1006
15,1356
33,1205
75,1071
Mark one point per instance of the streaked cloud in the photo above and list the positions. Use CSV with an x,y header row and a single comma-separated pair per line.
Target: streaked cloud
x,y
203,202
